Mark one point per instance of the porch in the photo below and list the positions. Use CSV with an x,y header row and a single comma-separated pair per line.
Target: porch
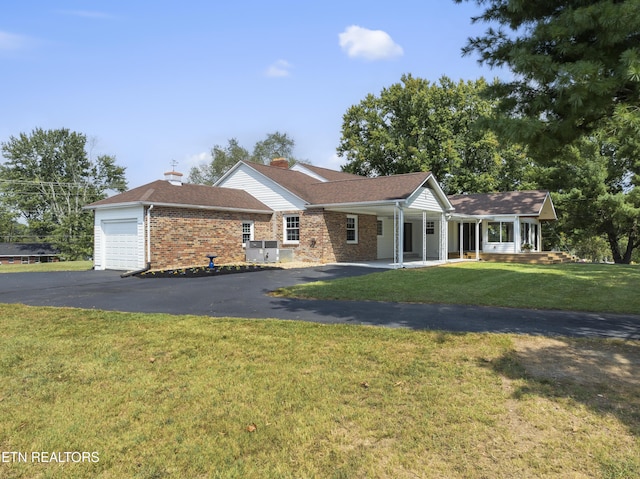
x,y
535,257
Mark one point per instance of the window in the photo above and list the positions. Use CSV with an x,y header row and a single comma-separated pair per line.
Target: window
x,y
352,229
430,227
247,232
379,228
291,229
500,232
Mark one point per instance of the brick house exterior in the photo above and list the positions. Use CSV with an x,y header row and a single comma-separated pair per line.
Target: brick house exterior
x,y
320,215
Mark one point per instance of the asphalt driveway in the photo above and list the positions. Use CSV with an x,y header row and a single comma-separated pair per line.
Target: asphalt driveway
x,y
245,295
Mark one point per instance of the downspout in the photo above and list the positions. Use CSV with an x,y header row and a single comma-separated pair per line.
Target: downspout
x,y
149,235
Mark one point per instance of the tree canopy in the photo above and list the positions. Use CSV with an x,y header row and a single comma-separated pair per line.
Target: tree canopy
x,y
575,102
416,125
576,63
48,177
275,145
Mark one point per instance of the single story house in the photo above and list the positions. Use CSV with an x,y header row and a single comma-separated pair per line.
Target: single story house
x,y
27,253
315,214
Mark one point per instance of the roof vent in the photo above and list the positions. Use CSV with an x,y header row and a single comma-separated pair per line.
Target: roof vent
x,y
280,163
173,177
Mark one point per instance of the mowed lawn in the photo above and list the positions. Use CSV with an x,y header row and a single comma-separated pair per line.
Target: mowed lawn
x,y
155,396
569,286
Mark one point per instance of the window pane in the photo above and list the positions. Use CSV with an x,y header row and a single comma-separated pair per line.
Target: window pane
x,y
293,228
507,232
494,232
379,228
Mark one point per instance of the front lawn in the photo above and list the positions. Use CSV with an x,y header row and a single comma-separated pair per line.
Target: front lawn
x,y
153,396
570,286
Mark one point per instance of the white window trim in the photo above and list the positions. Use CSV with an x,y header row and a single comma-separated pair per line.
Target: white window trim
x,y
284,229
251,231
355,224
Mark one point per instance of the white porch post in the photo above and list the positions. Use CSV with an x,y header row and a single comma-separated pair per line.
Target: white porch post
x,y
478,222
424,237
516,235
461,239
400,237
444,235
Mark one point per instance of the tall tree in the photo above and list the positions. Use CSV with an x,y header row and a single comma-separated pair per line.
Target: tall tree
x,y
416,125
222,158
574,101
593,192
275,145
575,62
48,177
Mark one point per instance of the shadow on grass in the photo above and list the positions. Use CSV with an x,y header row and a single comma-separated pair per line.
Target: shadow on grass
x,y
604,376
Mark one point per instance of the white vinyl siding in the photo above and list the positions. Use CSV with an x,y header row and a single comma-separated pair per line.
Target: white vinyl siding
x,y
424,199
262,188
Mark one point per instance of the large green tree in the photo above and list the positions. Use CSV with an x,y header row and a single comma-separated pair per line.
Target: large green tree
x,y
416,125
575,63
593,192
275,145
48,177
574,100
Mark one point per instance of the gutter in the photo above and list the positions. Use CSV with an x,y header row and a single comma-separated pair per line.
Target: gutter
x,y
175,205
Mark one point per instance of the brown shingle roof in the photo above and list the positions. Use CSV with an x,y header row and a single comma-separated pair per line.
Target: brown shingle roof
x,y
362,190
294,181
163,192
524,203
353,189
331,175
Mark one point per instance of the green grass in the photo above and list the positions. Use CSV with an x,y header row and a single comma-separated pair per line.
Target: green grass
x,y
580,287
178,396
40,267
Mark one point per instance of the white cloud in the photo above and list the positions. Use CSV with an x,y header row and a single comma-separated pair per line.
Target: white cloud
x,y
11,41
195,160
279,69
359,42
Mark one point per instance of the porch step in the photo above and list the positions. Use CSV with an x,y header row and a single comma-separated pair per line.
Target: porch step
x,y
542,257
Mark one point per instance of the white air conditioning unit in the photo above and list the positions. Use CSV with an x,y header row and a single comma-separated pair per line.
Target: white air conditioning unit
x,y
262,251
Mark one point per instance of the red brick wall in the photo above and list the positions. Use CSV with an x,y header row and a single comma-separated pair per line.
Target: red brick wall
x,y
323,237
182,237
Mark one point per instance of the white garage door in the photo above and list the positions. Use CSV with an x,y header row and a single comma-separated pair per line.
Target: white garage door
x,y
121,244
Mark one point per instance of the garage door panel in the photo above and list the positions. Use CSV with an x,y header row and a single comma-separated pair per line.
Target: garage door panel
x,y
121,244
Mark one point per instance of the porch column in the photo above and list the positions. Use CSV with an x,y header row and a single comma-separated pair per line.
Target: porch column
x,y
444,235
478,239
424,237
461,239
400,237
516,235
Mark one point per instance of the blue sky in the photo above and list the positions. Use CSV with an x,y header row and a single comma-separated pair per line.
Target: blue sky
x,y
158,81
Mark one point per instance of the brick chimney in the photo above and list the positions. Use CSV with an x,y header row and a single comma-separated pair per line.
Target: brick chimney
x,y
280,163
173,177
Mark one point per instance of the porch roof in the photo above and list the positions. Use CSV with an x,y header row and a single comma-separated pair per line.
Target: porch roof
x,y
519,203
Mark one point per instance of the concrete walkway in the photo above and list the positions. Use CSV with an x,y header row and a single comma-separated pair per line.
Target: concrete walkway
x,y
246,296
